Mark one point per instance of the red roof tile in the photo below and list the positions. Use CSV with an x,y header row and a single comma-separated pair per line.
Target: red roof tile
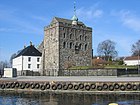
x,y
132,58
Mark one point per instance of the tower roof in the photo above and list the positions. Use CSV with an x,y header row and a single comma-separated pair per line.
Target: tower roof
x,y
67,21
75,18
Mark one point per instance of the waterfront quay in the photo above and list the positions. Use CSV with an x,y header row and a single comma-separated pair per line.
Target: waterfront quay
x,y
72,83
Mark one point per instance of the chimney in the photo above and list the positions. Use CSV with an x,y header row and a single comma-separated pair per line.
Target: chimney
x,y
24,46
98,57
30,43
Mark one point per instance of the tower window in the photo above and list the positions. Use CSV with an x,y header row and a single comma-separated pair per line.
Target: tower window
x,y
80,37
85,38
80,46
64,45
70,36
64,35
76,49
70,45
68,58
85,46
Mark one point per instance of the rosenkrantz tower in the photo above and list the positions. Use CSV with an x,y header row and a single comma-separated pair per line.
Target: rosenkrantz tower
x,y
67,43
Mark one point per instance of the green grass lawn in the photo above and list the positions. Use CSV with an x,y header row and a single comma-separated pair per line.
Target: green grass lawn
x,y
80,67
105,66
120,67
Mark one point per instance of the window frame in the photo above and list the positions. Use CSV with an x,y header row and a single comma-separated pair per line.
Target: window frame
x,y
29,66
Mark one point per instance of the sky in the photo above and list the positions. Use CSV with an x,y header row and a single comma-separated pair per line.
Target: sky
x,y
22,21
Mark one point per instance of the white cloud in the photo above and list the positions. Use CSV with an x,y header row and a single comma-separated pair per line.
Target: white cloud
x,y
98,13
40,18
16,23
128,19
123,43
7,29
89,13
6,14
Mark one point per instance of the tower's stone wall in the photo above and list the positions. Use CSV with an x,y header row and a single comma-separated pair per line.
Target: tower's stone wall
x,y
51,49
66,45
75,45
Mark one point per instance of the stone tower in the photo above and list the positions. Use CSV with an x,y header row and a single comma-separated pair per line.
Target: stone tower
x,y
66,43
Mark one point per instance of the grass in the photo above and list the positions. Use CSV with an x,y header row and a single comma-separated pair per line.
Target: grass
x,y
120,67
105,66
80,67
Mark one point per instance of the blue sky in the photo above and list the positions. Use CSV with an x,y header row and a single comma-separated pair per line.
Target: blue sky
x,y
22,21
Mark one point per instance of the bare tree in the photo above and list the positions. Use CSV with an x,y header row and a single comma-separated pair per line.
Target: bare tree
x,y
107,49
11,58
3,64
136,48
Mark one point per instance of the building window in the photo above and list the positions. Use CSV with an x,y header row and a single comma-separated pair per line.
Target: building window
x,y
80,46
38,66
85,46
64,45
38,59
80,37
29,66
76,49
64,35
70,45
85,38
29,59
70,36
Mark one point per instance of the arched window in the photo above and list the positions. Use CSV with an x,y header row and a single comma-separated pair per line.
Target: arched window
x,y
64,35
64,44
70,45
70,36
85,38
85,46
80,46
80,37
69,58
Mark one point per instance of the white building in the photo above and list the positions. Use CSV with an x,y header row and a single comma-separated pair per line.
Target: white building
x,y
10,72
133,60
28,61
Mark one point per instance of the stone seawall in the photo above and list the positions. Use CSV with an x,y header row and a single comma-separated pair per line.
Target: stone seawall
x,y
72,84
90,72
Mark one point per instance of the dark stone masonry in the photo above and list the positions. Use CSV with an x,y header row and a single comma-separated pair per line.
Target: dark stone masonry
x,y
66,43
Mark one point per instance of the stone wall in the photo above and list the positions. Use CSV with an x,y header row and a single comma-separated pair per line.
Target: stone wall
x,y
75,45
66,45
51,49
90,72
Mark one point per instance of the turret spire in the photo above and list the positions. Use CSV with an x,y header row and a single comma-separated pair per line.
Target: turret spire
x,y
74,18
74,8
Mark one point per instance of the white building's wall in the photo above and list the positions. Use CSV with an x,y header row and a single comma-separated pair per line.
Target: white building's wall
x,y
33,63
9,72
17,63
21,63
131,62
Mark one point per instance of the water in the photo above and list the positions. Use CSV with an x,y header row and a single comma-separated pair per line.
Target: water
x,y
38,98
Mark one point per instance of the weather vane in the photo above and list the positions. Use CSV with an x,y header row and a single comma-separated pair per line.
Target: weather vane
x,y
74,7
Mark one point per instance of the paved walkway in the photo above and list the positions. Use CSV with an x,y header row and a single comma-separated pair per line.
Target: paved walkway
x,y
75,78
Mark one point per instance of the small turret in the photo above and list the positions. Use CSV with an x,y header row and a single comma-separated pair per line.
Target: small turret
x,y
31,43
74,18
24,46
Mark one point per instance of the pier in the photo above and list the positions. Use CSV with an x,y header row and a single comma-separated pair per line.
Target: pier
x,y
90,84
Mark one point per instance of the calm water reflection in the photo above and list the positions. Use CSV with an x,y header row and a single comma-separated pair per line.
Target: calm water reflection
x,y
24,98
